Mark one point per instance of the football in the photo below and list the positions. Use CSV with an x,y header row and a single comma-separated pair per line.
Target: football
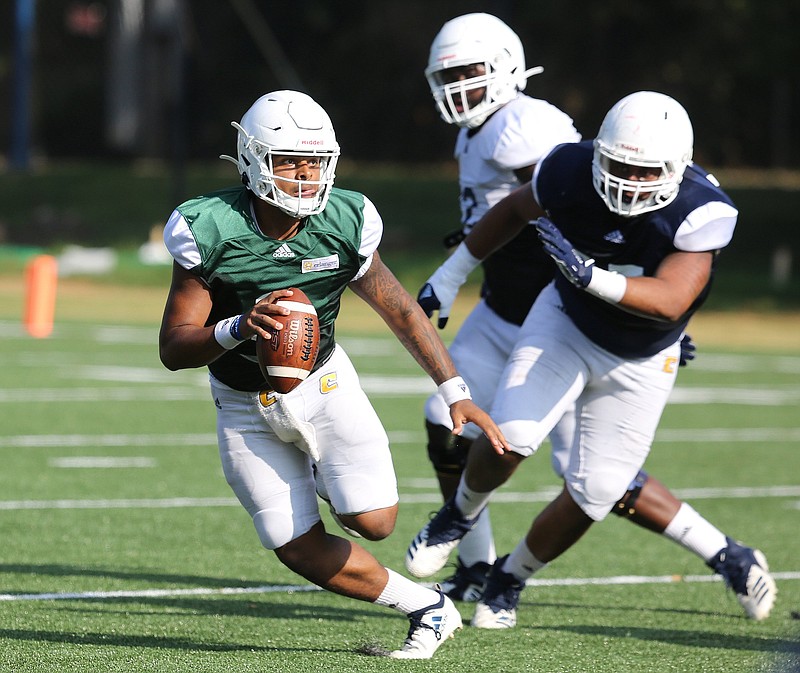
x,y
287,358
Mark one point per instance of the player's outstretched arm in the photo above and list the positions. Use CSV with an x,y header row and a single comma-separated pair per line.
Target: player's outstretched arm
x,y
678,281
498,226
503,222
398,309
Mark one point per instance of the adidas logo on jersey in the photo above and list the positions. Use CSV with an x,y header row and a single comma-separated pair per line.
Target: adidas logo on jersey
x,y
615,237
283,252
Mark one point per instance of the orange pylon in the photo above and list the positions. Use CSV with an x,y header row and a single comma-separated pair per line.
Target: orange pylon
x,y
41,279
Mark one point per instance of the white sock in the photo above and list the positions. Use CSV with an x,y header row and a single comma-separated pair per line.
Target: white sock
x,y
521,563
470,502
405,596
478,544
693,532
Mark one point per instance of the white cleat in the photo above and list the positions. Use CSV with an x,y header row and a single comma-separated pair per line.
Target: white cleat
x,y
430,628
467,582
486,618
424,560
497,608
745,570
757,602
429,550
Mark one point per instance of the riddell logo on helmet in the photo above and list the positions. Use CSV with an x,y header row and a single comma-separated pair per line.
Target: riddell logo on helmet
x,y
312,142
630,148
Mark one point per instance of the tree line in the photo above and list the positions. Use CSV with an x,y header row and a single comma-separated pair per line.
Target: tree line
x,y
170,88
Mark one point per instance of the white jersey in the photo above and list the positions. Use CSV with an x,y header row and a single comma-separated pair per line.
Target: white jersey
x,y
519,134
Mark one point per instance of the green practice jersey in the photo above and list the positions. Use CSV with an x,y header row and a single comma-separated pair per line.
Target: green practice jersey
x,y
240,264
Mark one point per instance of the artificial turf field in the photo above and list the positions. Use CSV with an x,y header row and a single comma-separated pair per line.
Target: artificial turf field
x,y
122,548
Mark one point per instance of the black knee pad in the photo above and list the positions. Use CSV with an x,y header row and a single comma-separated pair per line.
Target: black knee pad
x,y
447,452
626,505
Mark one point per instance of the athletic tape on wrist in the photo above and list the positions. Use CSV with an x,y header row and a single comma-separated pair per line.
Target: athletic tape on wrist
x,y
227,333
462,261
610,286
454,390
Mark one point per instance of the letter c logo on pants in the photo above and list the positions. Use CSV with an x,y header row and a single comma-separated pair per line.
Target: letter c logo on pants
x,y
327,383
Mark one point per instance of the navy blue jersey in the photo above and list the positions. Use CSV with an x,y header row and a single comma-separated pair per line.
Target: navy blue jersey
x,y
563,187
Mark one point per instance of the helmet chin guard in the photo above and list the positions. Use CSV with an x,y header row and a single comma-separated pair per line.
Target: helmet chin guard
x,y
646,130
286,123
476,39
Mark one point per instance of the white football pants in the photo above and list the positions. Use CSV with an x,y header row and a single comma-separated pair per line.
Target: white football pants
x,y
273,479
617,402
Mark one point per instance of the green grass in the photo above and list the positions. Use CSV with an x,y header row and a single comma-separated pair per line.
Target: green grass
x,y
94,390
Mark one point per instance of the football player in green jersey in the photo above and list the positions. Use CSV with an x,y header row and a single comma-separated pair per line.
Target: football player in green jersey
x,y
236,251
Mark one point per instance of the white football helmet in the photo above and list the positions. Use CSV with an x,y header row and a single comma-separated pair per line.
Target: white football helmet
x,y
476,39
645,129
286,123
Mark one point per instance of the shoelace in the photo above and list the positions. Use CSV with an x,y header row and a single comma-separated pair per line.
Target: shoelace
x,y
506,598
417,623
736,578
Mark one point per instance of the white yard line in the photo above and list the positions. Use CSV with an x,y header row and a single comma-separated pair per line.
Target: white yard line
x,y
121,503
507,497
547,494
107,440
728,435
150,385
103,462
289,588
